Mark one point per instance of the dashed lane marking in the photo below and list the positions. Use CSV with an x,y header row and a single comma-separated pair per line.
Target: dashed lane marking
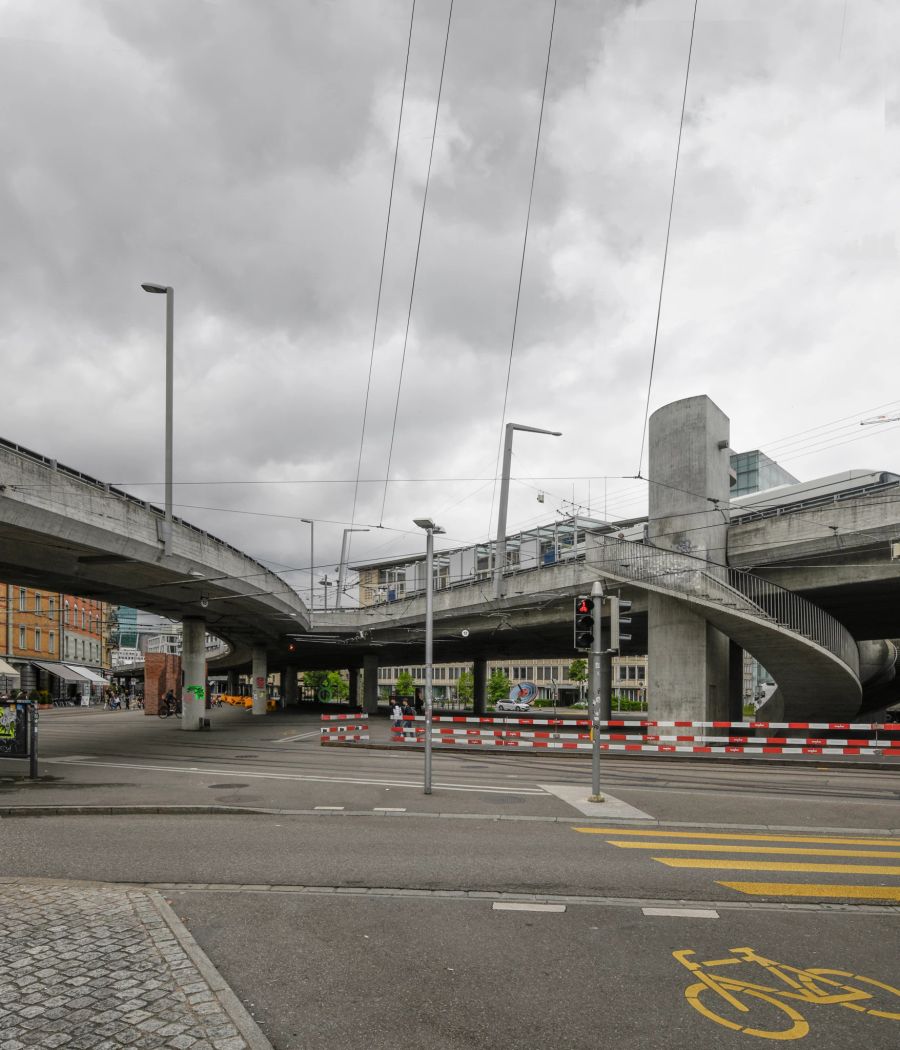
x,y
682,913
526,906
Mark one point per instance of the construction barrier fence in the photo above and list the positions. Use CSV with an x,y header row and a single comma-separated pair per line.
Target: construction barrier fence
x,y
345,729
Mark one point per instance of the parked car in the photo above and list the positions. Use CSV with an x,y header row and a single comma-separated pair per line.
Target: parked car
x,y
512,705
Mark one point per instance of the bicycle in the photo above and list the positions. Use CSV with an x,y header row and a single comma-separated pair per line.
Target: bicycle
x,y
168,708
816,985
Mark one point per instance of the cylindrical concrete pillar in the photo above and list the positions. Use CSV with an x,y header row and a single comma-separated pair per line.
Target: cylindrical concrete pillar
x,y
231,683
479,676
353,679
193,666
370,683
260,673
289,686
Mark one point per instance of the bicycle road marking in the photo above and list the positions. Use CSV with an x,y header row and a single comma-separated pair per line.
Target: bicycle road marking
x,y
800,889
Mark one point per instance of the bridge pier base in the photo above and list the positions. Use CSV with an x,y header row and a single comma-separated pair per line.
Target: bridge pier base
x,y
370,684
479,676
289,693
735,682
260,674
193,666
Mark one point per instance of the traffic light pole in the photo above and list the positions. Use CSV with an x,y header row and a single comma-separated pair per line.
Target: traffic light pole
x,y
596,687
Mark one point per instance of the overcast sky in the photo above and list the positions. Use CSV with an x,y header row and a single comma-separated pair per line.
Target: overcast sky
x,y
242,152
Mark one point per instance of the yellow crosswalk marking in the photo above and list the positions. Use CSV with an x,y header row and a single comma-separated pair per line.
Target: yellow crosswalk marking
x,y
699,847
801,889
779,865
836,840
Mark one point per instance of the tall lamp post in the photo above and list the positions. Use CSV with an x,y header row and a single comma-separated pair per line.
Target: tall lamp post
x,y
342,569
312,560
500,546
169,292
430,529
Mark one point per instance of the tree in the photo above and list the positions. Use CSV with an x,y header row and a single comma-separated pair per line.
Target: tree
x,y
465,686
498,686
333,681
405,684
578,672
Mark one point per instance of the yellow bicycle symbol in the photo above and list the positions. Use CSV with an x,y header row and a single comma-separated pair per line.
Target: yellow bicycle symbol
x,y
777,1018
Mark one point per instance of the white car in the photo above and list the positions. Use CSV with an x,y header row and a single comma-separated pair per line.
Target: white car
x,y
513,705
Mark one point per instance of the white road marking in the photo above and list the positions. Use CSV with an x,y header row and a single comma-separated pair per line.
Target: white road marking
x,y
683,913
336,808
388,809
525,906
297,736
299,777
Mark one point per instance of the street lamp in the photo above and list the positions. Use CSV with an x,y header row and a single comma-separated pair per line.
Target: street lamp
x,y
342,568
430,529
500,546
312,559
164,289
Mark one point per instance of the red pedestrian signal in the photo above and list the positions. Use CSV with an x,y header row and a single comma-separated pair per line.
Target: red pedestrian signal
x,y
584,623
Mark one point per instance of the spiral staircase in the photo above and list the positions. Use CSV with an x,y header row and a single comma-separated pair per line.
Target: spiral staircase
x,y
812,657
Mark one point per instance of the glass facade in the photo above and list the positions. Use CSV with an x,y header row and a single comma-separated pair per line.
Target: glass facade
x,y
755,472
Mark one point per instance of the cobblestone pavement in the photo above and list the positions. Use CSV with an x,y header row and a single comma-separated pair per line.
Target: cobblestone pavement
x,y
88,966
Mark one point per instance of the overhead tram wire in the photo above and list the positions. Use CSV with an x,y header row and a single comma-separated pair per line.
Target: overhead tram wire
x,y
412,291
512,342
662,280
387,227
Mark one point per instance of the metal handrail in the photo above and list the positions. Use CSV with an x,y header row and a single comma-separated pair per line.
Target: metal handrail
x,y
735,588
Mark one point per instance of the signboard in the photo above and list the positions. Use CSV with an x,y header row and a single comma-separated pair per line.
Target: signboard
x,y
13,730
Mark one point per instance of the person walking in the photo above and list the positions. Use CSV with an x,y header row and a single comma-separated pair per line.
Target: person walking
x,y
409,726
396,715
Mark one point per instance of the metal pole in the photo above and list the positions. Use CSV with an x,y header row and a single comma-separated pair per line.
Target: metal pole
x,y
595,686
33,742
342,569
312,560
170,397
429,642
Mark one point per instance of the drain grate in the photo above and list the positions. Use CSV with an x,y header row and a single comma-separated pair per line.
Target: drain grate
x,y
218,787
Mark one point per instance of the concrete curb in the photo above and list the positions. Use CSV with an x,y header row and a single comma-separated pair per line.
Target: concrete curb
x,y
229,1002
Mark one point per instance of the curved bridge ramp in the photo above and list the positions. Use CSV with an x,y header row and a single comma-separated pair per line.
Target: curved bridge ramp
x,y
811,656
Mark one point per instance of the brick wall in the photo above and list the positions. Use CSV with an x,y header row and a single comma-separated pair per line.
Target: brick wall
x,y
162,672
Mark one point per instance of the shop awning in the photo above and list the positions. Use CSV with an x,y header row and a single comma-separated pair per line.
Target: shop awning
x,y
90,675
8,669
61,671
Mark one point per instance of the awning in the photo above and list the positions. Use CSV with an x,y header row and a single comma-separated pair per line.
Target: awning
x,y
8,669
90,675
61,671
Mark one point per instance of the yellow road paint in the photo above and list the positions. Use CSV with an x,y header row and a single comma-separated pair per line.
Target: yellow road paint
x,y
699,847
743,838
801,889
780,865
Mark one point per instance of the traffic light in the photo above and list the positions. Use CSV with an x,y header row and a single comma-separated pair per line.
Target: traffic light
x,y
584,623
618,606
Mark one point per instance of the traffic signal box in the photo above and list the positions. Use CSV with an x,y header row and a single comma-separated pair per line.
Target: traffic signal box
x,y
617,620
584,623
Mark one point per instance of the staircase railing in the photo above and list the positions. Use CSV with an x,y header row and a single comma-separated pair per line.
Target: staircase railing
x,y
722,585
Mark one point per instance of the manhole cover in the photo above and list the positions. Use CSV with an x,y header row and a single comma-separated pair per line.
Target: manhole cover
x,y
218,787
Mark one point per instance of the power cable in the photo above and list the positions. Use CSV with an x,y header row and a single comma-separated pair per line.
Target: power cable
x,y
668,233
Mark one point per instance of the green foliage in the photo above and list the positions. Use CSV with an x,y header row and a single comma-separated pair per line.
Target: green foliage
x,y
498,686
406,685
578,671
331,680
314,679
465,687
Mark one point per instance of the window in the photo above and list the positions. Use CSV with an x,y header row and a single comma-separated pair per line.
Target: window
x,y
21,599
37,639
82,646
68,639
51,642
51,606
623,673
22,641
83,619
38,604
66,614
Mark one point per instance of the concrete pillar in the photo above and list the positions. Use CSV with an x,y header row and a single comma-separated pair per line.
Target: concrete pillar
x,y
479,676
353,678
370,683
735,682
260,673
289,686
193,665
231,683
689,458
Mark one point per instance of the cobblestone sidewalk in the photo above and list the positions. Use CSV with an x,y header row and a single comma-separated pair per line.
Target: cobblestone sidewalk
x,y
88,966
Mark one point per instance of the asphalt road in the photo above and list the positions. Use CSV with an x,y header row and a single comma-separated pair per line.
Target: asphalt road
x,y
397,920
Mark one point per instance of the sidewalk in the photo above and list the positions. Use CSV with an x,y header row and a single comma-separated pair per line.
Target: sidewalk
x,y
87,966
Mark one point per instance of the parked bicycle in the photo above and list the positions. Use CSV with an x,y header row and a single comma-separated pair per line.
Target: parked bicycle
x,y
769,1004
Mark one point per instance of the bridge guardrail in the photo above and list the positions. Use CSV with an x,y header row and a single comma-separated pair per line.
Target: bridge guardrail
x,y
736,588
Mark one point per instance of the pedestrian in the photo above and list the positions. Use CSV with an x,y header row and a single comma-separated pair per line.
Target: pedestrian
x,y
396,714
419,702
409,726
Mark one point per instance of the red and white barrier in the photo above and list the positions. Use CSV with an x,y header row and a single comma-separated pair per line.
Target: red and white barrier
x,y
461,731
349,729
